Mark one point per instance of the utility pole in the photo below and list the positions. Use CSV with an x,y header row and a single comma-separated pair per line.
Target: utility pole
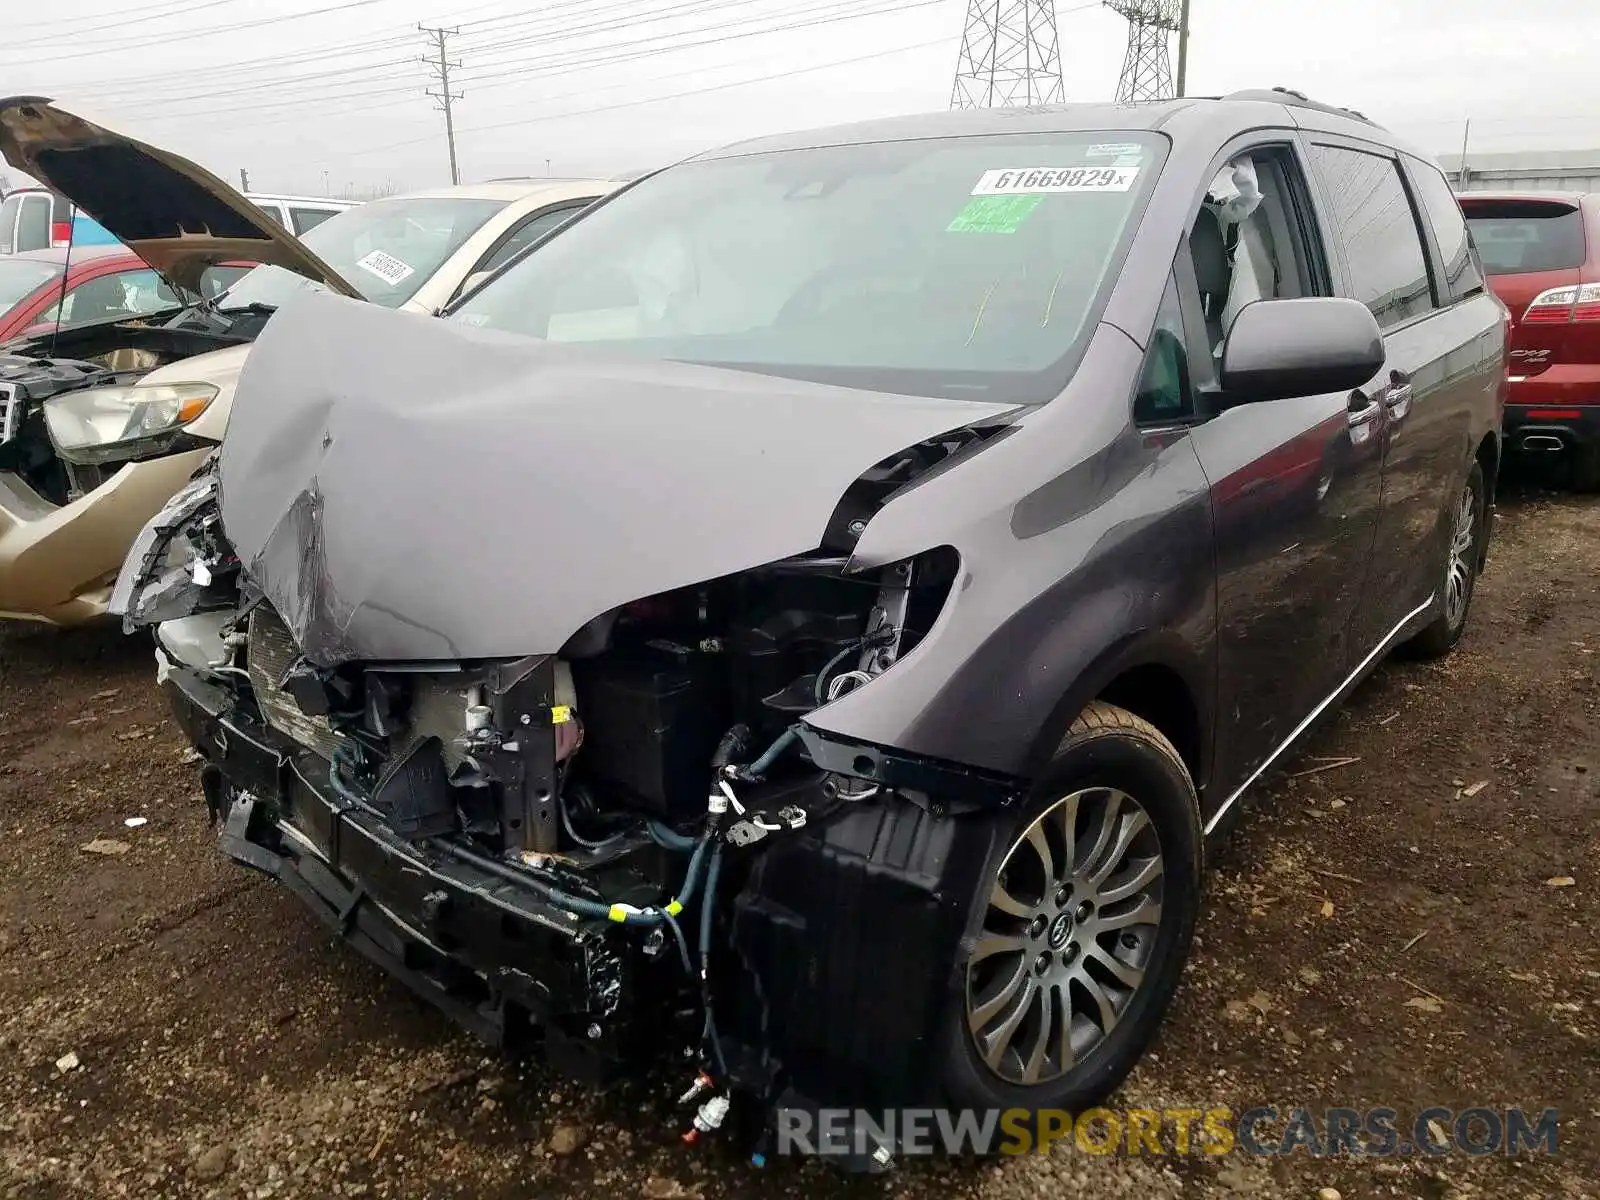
x,y
1466,136
441,66
244,180
1183,49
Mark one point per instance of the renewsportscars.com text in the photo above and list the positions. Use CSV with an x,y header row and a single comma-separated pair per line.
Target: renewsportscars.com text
x,y
1264,1131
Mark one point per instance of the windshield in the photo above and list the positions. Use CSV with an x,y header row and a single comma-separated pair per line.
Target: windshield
x,y
385,249
21,277
942,266
1518,236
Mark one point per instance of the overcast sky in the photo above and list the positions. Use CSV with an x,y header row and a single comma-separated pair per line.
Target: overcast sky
x,y
325,95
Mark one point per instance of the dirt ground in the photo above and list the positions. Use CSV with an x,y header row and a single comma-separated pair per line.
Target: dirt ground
x,y
1382,932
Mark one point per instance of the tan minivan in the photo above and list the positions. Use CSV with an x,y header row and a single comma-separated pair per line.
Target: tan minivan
x,y
101,423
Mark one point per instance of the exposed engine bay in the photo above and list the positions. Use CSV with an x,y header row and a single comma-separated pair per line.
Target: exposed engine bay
x,y
92,356
575,756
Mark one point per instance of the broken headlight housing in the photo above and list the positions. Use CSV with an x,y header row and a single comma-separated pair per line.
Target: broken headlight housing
x,y
107,424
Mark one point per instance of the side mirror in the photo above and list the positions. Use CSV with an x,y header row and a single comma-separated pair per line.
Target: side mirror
x,y
1281,349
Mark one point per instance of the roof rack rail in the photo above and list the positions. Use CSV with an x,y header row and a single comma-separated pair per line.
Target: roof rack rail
x,y
1283,95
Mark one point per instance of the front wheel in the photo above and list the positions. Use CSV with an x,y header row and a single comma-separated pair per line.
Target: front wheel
x,y
1460,571
1081,925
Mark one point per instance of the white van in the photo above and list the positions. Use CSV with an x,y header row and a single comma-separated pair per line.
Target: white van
x,y
298,213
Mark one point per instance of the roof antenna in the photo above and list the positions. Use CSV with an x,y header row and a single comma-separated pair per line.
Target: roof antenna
x,y
66,272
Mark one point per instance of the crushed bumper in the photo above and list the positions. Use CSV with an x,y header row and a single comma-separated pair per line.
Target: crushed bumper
x,y
57,563
831,966
494,957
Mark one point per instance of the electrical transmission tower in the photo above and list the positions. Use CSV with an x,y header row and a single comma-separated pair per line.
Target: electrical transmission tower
x,y
441,66
1009,55
1146,68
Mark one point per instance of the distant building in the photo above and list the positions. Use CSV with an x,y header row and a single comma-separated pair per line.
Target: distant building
x,y
1526,171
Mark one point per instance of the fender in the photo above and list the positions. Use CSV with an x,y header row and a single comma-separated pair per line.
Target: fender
x,y
1164,648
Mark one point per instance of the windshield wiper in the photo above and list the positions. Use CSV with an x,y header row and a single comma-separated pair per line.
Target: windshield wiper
x,y
264,310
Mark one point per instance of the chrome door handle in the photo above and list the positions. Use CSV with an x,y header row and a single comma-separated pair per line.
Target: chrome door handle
x,y
1398,400
1361,419
1366,415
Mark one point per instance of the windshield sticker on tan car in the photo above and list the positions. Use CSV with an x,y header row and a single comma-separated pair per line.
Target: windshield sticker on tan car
x,y
386,267
1023,181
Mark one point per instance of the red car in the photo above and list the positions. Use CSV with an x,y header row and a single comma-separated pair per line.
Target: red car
x,y
102,282
1542,255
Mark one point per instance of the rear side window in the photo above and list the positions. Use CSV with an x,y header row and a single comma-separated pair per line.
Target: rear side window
x,y
8,224
1375,221
33,231
531,231
1518,236
309,218
1461,277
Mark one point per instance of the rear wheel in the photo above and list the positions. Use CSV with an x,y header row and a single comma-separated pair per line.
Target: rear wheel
x,y
1460,571
1081,925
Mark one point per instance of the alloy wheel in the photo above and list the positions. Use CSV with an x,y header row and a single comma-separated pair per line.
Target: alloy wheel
x,y
1463,543
1068,933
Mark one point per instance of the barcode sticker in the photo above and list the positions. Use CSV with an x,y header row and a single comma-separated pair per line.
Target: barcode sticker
x,y
1022,181
386,267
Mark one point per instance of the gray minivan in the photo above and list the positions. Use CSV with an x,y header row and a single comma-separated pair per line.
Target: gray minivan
x,y
893,549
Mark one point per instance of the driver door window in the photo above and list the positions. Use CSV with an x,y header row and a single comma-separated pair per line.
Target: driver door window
x,y
110,297
1249,240
529,232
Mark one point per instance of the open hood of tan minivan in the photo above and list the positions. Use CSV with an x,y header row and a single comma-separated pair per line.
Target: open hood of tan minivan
x,y
176,215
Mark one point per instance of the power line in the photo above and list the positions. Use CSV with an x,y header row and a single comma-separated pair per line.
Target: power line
x,y
235,27
441,67
562,62
68,21
74,34
701,91
137,85
588,90
265,69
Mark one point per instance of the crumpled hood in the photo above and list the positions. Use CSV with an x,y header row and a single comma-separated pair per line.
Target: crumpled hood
x,y
176,215
402,487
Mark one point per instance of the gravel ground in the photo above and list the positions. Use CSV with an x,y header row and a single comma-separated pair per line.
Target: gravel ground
x,y
1382,932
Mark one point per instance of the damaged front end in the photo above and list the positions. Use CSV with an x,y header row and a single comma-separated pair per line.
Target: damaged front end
x,y
633,849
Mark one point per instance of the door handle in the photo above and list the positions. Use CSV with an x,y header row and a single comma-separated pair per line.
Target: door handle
x,y
1397,397
1361,414
1362,411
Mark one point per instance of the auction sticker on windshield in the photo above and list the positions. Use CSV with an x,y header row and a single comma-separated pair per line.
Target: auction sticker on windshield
x,y
993,214
1023,181
386,267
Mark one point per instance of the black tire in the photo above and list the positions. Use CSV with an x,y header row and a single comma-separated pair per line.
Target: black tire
x,y
1444,633
1106,748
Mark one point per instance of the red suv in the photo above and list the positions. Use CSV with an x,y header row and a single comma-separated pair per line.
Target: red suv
x,y
1542,255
